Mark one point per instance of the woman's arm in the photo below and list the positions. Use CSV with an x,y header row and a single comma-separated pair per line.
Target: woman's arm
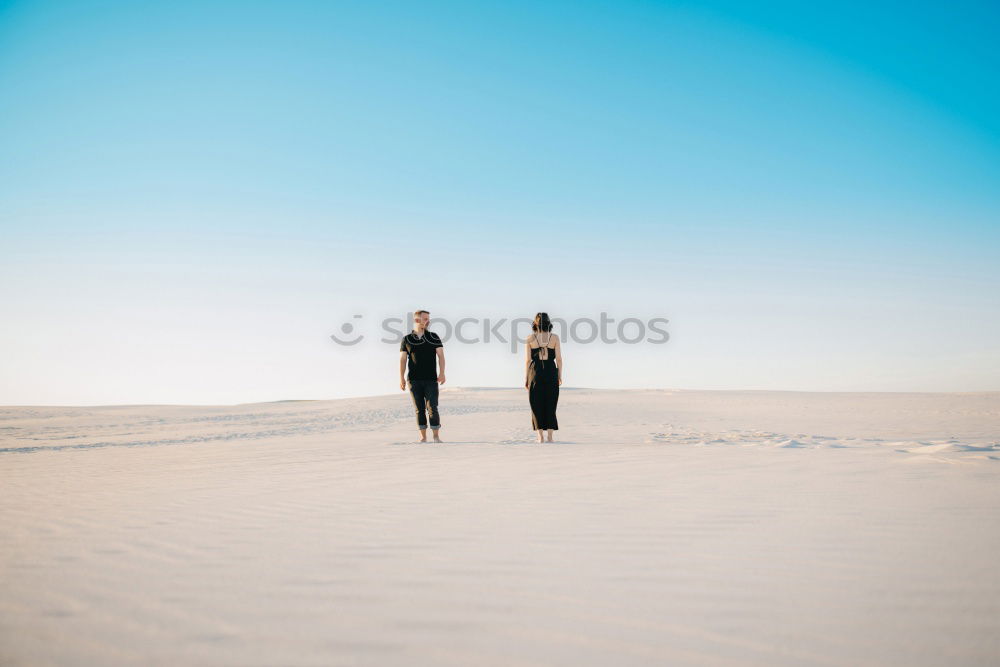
x,y
527,359
559,361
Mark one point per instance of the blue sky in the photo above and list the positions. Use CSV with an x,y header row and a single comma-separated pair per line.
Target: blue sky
x,y
194,195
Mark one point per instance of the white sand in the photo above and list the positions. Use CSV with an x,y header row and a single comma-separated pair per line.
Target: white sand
x,y
670,527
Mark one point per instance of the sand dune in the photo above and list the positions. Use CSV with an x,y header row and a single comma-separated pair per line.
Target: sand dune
x,y
667,527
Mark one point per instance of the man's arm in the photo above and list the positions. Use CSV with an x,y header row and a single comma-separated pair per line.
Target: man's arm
x,y
402,369
440,357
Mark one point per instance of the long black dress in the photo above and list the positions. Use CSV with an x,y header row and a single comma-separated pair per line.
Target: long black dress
x,y
543,389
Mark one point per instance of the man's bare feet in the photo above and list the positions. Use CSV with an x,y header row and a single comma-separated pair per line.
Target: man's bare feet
x,y
437,438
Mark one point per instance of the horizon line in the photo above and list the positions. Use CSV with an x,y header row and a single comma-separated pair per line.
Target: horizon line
x,y
488,388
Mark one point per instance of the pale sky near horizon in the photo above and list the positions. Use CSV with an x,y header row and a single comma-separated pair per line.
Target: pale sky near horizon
x,y
195,196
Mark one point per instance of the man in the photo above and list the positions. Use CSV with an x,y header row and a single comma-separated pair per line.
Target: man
x,y
418,351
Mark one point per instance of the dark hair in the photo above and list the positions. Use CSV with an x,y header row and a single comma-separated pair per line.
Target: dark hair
x,y
421,312
541,323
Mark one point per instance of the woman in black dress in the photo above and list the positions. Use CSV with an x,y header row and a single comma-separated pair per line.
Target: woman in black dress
x,y
543,357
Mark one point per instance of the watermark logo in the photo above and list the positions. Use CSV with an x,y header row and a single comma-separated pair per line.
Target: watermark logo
x,y
513,331
347,330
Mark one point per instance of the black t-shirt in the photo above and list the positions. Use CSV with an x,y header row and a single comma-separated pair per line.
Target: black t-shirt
x,y
421,353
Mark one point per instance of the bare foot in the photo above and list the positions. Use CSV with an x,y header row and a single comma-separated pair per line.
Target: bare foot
x,y
437,438
540,438
550,439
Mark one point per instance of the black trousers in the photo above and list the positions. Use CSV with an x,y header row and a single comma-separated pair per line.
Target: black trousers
x,y
425,402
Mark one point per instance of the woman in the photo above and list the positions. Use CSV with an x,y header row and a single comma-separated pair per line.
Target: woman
x,y
543,357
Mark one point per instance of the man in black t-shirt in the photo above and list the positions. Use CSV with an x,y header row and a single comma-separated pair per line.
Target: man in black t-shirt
x,y
419,351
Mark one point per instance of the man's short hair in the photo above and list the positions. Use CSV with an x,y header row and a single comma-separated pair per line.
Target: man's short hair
x,y
421,312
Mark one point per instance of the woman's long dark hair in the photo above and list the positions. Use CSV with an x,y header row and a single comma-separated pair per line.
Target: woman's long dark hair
x,y
541,323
